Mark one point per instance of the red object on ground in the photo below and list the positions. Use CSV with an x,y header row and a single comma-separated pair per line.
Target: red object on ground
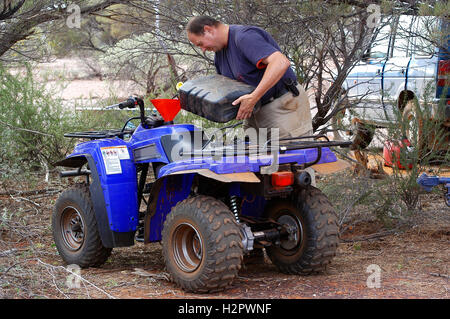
x,y
168,108
391,153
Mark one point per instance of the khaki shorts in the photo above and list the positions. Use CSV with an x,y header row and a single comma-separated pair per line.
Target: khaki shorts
x,y
290,114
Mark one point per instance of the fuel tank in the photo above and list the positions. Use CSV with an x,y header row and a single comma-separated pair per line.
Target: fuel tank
x,y
211,97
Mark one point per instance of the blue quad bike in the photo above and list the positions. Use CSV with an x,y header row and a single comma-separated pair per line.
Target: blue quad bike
x,y
208,205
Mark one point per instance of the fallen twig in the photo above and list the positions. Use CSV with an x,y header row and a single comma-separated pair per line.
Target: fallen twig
x,y
28,192
78,276
18,199
14,265
143,273
371,236
439,275
7,252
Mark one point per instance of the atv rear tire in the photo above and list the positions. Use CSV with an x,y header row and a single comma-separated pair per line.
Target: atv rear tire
x,y
75,230
202,244
314,237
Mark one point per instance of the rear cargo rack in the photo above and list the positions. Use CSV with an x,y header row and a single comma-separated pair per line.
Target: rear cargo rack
x,y
284,145
294,143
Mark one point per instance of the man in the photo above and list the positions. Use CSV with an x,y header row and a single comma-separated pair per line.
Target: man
x,y
250,54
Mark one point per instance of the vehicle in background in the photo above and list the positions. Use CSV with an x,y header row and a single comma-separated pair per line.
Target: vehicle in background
x,y
408,64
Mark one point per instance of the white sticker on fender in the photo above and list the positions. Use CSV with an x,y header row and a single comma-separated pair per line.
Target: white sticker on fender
x,y
111,160
123,152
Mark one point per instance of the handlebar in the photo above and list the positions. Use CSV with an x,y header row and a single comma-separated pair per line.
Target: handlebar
x,y
132,102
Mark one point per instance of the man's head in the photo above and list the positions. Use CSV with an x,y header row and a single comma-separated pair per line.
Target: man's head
x,y
207,33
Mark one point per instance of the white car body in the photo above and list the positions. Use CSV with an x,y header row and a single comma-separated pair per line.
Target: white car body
x,y
406,68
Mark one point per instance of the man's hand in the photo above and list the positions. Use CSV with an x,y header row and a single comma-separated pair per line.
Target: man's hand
x,y
247,103
276,65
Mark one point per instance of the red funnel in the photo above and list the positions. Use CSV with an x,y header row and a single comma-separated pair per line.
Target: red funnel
x,y
168,108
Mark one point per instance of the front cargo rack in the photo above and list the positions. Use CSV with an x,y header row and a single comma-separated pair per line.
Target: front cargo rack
x,y
95,135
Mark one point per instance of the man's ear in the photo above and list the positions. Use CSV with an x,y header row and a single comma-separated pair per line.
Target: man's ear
x,y
208,29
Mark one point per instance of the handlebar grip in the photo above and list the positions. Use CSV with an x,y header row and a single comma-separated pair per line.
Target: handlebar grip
x,y
128,103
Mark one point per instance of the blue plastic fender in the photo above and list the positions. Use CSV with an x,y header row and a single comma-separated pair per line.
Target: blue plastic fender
x,y
113,189
166,193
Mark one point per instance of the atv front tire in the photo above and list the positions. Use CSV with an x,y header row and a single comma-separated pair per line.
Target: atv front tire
x,y
75,230
314,233
202,245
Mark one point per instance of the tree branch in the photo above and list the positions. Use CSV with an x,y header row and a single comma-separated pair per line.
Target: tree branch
x,y
22,26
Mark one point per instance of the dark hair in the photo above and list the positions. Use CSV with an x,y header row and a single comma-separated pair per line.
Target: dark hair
x,y
196,24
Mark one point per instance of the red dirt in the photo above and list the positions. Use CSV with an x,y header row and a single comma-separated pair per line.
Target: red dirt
x,y
414,262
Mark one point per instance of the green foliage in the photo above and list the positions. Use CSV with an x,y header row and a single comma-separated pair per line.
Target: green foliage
x,y
143,59
31,119
429,140
396,197
134,51
34,122
440,9
191,118
116,29
63,43
96,33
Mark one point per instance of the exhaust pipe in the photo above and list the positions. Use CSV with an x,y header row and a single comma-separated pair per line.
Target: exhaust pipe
x,y
303,179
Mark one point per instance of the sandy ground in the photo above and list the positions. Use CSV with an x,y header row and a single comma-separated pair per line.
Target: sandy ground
x,y
75,82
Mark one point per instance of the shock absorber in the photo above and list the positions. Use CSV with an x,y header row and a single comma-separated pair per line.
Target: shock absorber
x,y
235,207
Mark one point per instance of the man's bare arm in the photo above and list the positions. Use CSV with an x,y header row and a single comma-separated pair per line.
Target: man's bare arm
x,y
276,65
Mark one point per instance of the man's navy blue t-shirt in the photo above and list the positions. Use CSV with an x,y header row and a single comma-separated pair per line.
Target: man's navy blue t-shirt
x,y
241,59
